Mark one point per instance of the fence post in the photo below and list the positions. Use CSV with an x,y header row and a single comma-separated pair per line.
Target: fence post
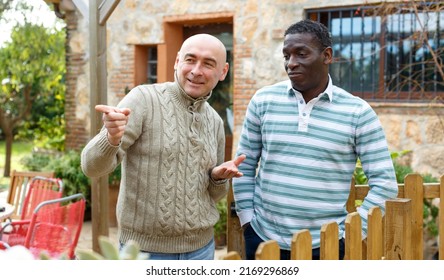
x,y
329,241
353,237
235,237
301,245
375,234
414,190
398,229
232,255
351,201
268,250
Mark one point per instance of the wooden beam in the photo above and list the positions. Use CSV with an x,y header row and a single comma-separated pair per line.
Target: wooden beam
x,y
98,95
106,8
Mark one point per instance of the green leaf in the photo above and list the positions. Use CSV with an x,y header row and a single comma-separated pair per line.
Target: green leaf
x,y
109,250
130,251
88,255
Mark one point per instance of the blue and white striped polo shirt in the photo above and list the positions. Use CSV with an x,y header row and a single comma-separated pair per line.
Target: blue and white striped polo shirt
x,y
306,154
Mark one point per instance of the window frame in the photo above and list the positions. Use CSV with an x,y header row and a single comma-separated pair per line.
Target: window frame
x,y
380,90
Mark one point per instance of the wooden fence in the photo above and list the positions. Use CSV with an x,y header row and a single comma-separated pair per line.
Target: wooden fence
x,y
397,235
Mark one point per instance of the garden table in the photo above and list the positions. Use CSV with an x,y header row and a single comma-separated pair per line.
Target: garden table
x,y
6,210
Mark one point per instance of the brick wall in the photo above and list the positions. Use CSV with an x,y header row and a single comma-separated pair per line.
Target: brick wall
x,y
122,76
76,133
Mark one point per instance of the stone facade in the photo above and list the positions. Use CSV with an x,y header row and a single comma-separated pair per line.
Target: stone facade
x,y
257,38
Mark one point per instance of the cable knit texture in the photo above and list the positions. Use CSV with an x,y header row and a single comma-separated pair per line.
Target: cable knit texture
x,y
172,141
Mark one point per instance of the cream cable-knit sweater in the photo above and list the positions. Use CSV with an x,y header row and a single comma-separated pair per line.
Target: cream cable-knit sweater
x,y
171,142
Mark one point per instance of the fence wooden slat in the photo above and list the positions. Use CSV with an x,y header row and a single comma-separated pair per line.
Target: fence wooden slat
x,y
268,250
431,190
351,201
329,241
353,237
301,248
398,229
232,255
414,190
235,237
375,234
441,220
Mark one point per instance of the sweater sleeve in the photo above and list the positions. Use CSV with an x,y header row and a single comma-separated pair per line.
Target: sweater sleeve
x,y
218,189
99,157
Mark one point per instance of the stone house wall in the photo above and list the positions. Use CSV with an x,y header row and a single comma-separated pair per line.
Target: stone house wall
x,y
257,37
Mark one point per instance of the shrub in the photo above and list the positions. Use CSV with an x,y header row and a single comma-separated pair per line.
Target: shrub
x,y
220,228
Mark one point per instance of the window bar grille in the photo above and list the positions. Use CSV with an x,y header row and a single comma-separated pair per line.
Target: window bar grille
x,y
373,59
398,40
423,58
361,59
340,45
352,59
436,74
411,61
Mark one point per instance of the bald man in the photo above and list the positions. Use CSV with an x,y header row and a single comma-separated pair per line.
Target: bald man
x,y
171,145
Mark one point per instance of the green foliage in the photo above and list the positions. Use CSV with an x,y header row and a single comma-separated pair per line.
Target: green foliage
x,y
4,5
430,215
68,168
131,251
47,122
400,170
20,149
220,228
32,92
114,177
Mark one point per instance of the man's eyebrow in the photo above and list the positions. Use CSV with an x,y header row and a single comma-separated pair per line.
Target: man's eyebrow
x,y
205,58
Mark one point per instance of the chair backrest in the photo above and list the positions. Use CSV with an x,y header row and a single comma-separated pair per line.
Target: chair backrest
x,y
18,187
40,189
55,227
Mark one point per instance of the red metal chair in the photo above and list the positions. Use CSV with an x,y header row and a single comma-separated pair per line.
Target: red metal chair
x,y
40,189
55,227
4,246
18,188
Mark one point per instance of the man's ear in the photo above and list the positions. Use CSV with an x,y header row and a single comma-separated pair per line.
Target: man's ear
x,y
176,62
224,71
328,55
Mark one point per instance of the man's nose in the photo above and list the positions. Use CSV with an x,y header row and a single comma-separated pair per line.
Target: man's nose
x,y
197,69
292,62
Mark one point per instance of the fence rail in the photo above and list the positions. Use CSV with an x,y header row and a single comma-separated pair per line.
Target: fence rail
x,y
397,235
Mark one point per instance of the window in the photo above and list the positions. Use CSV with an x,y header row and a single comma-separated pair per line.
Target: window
x,y
151,77
387,52
145,62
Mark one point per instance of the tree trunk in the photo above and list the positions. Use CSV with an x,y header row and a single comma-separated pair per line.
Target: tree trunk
x,y
8,140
